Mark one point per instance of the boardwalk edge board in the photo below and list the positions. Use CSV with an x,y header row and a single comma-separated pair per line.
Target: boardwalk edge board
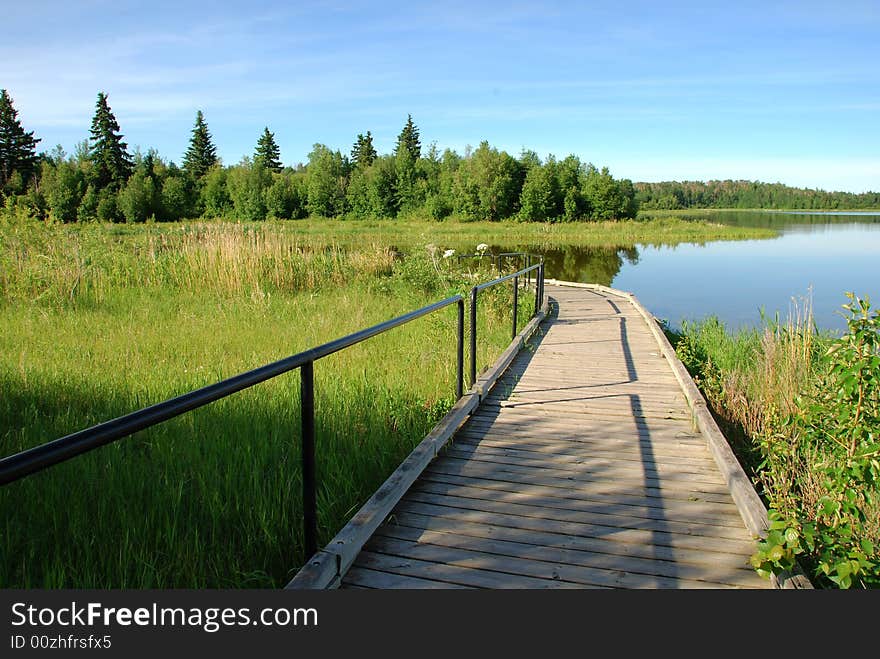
x,y
751,508
326,568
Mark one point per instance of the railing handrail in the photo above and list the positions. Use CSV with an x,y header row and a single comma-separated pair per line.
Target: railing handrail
x,y
24,463
539,300
518,273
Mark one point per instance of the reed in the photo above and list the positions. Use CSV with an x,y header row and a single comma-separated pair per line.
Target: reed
x,y
213,498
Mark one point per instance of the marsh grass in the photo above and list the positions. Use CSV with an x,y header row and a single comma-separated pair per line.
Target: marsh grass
x,y
752,377
776,392
99,322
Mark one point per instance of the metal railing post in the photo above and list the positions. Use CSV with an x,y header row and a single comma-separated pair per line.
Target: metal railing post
x,y
537,290
541,275
459,382
310,514
473,335
515,304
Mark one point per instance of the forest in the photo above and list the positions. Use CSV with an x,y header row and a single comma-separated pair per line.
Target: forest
x,y
674,195
101,180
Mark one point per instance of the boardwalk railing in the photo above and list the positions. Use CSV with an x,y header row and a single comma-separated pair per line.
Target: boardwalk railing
x,y
538,269
29,461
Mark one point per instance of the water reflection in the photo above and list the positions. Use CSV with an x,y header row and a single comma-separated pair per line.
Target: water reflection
x,y
816,256
785,220
597,265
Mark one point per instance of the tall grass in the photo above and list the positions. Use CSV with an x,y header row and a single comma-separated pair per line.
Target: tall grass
x,y
86,263
98,322
780,393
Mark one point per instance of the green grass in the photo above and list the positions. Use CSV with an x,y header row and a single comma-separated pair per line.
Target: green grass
x,y
213,498
101,320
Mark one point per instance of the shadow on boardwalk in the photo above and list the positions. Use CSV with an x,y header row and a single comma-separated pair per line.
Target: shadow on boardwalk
x,y
579,470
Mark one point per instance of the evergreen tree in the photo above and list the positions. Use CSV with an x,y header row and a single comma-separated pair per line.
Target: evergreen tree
x,y
17,148
408,140
110,161
268,152
363,154
201,154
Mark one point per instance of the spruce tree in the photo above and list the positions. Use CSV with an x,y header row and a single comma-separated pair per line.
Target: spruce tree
x,y
110,161
17,148
268,152
363,154
408,140
201,154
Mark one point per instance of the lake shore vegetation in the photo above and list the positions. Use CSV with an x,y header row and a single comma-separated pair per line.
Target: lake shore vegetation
x,y
802,412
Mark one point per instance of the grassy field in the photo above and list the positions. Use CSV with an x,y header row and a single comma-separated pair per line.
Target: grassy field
x,y
98,321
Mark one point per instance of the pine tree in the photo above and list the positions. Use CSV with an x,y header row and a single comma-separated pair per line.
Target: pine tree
x,y
408,140
17,148
363,154
201,154
111,163
268,152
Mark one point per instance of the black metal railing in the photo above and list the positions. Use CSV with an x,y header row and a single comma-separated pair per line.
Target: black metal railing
x,y
38,458
538,268
15,467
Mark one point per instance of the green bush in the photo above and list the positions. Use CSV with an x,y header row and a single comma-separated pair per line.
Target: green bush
x,y
830,519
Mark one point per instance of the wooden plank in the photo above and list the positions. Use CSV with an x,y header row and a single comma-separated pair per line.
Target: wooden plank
x,y
367,578
650,559
643,461
617,520
632,390
597,486
602,569
641,472
618,535
688,508
621,431
453,574
611,449
578,409
487,555
716,515
579,477
545,416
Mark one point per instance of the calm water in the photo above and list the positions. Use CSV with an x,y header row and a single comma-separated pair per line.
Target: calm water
x,y
816,256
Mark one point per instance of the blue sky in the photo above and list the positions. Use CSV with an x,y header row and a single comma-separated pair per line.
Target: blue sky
x,y
771,91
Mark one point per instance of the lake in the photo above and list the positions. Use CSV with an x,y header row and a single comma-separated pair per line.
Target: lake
x,y
818,256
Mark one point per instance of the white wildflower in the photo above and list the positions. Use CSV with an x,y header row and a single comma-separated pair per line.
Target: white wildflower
x,y
448,253
481,248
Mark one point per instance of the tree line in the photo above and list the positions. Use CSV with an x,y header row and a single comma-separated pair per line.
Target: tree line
x,y
102,181
674,195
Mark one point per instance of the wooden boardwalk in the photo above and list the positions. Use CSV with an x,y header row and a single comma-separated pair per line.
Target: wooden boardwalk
x,y
580,469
